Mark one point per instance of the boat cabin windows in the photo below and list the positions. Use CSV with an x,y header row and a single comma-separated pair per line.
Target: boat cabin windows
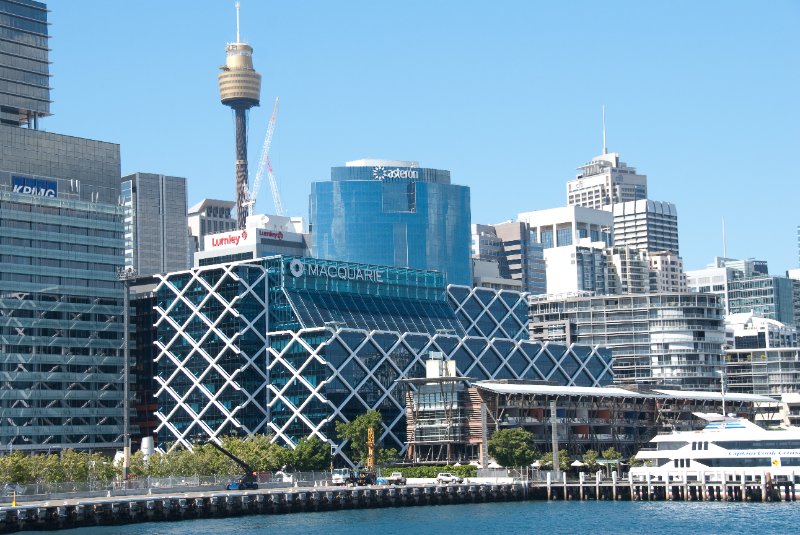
x,y
699,445
759,444
682,463
671,445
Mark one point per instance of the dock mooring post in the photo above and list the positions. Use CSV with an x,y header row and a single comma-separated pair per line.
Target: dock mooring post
x,y
597,485
549,486
581,478
614,482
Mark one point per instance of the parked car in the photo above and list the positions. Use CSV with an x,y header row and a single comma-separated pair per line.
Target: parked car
x,y
396,479
447,477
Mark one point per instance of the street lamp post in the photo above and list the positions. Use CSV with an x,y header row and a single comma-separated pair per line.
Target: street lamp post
x,y
126,275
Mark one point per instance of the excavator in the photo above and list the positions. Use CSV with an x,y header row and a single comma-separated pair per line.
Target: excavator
x,y
248,481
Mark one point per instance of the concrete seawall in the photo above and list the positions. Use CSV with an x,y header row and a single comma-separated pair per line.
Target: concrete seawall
x,y
100,511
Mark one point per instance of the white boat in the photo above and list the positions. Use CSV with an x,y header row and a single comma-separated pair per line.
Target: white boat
x,y
727,449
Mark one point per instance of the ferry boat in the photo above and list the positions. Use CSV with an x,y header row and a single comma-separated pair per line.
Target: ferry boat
x,y
728,448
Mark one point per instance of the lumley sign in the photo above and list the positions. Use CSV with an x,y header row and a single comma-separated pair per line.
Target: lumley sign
x,y
299,268
230,239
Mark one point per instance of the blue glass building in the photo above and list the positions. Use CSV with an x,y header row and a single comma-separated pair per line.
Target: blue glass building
x,y
393,213
289,346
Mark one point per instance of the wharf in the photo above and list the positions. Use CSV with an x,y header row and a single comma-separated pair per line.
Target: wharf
x,y
103,511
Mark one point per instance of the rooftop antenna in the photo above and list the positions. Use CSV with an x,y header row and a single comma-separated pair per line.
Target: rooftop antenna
x,y
724,241
605,148
237,22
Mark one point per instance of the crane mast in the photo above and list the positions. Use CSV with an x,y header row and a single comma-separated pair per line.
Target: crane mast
x,y
265,167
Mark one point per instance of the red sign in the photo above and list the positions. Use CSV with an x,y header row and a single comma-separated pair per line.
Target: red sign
x,y
230,239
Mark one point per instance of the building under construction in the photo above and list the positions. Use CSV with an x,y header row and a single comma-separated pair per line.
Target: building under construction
x,y
240,88
446,421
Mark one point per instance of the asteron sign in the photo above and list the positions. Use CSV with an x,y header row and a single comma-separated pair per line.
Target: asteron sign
x,y
380,173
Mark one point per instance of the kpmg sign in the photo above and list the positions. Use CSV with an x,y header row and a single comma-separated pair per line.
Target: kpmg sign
x,y
34,186
309,268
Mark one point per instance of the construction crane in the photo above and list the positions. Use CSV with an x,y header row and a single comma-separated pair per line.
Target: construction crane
x,y
370,449
248,481
265,167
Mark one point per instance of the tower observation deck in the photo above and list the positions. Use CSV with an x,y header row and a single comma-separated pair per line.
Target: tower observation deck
x,y
240,88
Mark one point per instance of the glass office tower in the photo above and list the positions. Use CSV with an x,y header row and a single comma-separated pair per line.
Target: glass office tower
x,y
289,346
393,213
25,68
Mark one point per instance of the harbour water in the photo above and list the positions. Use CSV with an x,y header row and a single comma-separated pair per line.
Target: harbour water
x,y
639,518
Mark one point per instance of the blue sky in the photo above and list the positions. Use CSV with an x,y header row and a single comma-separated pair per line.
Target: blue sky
x,y
702,97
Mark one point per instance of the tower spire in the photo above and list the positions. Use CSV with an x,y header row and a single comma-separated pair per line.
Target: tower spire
x,y
605,147
237,21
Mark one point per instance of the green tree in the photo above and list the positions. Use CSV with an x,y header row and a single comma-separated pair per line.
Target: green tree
x,y
310,454
611,454
513,447
355,432
15,468
590,458
258,451
563,460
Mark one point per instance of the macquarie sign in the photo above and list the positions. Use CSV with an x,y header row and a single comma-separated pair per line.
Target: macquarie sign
x,y
309,268
34,186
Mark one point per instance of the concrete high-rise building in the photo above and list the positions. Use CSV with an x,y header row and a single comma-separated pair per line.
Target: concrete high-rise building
x,y
25,70
240,88
666,272
761,355
606,181
393,213
558,227
794,276
746,286
577,268
646,224
629,270
769,297
61,239
513,247
209,216
156,226
264,235
666,339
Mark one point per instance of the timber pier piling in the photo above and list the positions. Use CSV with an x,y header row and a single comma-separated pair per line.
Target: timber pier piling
x,y
84,512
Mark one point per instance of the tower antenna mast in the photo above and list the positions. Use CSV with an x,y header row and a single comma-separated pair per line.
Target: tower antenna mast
x,y
238,5
605,147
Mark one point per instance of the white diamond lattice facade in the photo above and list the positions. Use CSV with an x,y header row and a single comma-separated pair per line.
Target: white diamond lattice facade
x,y
289,346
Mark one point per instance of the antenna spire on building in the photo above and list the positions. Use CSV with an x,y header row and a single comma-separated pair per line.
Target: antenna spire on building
x,y
238,5
605,147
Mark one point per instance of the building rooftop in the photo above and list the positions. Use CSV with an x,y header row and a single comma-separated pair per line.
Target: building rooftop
x,y
372,162
533,389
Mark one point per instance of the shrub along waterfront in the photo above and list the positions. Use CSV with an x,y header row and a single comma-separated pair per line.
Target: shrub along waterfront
x,y
204,460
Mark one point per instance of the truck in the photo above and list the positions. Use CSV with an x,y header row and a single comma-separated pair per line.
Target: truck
x,y
248,480
346,476
396,478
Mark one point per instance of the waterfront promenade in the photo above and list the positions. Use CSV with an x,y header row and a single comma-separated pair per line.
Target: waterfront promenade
x,y
210,503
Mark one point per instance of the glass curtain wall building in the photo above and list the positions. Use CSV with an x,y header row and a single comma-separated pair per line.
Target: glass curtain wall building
x,y
393,213
61,244
25,69
291,345
156,236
